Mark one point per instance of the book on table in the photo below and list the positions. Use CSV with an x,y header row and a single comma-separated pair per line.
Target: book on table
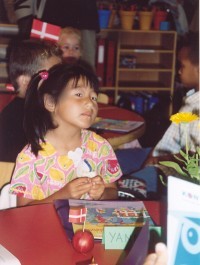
x,y
123,126
99,214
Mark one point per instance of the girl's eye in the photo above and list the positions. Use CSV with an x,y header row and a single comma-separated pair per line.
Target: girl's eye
x,y
94,98
77,48
78,94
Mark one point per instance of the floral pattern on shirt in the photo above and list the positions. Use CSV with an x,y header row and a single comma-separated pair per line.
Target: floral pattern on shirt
x,y
39,177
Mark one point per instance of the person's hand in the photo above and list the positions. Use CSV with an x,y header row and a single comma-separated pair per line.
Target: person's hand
x,y
159,257
78,187
97,189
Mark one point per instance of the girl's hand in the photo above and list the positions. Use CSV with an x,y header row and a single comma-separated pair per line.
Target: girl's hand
x,y
78,187
97,188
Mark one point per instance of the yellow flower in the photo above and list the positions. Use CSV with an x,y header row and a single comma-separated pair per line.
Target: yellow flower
x,y
183,117
187,164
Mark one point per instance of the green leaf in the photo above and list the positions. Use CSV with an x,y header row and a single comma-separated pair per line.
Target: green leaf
x,y
162,180
49,164
39,162
175,166
22,171
181,160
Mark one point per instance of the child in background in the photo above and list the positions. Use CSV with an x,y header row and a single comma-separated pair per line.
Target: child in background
x,y
63,159
70,43
173,140
25,59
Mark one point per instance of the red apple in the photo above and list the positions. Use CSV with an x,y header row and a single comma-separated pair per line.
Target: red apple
x,y
83,241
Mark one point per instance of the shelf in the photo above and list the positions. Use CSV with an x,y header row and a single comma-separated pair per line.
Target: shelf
x,y
151,56
147,68
104,88
143,85
144,49
119,30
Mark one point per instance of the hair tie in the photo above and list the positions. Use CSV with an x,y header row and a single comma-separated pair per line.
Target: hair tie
x,y
44,75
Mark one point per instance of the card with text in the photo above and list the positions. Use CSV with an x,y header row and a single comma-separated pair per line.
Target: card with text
x,y
183,229
119,237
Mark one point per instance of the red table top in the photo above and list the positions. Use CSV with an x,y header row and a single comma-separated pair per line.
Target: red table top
x,y
113,112
35,236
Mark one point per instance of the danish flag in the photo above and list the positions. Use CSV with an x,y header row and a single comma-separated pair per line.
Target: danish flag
x,y
77,214
44,30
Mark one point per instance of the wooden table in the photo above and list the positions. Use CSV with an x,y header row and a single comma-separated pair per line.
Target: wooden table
x,y
35,236
114,112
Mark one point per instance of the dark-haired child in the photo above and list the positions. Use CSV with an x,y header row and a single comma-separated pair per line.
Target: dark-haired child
x,y
25,59
63,159
174,138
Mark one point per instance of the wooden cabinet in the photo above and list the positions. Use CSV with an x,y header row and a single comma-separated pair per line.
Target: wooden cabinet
x,y
154,55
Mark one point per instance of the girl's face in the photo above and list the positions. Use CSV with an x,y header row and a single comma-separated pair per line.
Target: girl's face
x,y
70,46
77,106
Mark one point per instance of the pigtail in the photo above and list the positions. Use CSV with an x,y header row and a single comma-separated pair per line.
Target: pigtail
x,y
34,118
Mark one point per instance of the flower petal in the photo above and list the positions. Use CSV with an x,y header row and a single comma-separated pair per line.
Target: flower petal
x,y
183,117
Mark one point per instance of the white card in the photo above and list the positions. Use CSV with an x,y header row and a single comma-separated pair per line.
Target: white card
x,y
183,222
7,258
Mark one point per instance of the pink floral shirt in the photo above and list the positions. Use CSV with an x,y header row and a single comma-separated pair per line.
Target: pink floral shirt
x,y
39,177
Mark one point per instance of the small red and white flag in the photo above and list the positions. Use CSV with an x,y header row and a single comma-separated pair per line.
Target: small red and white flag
x,y
44,30
10,87
77,214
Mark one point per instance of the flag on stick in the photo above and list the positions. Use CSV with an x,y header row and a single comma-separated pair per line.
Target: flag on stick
x,y
43,30
77,214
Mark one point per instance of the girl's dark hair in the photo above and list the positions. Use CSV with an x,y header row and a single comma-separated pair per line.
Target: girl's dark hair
x,y
37,119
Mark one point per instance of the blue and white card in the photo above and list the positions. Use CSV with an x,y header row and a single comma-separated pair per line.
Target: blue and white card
x,y
183,222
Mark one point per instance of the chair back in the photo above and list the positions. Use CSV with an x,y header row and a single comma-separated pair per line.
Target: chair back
x,y
103,98
7,200
6,170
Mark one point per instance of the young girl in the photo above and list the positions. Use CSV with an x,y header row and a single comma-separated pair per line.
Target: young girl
x,y
63,159
70,43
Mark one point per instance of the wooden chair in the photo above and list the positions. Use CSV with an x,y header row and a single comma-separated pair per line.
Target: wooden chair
x,y
103,98
6,170
6,200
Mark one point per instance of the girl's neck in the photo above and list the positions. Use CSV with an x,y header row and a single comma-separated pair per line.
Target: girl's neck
x,y
64,142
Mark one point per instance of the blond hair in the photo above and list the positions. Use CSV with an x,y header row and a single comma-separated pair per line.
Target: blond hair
x,y
70,31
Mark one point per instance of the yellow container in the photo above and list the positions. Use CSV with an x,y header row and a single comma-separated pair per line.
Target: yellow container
x,y
145,19
127,19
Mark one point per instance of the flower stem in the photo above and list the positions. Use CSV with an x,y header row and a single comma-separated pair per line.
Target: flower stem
x,y
186,142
